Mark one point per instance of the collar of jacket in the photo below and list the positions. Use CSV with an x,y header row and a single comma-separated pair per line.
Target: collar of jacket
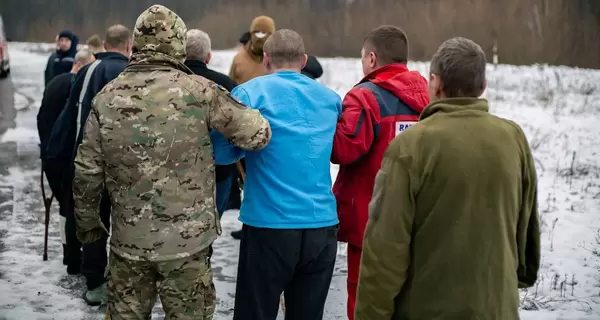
x,y
157,59
385,72
252,52
196,64
110,56
454,105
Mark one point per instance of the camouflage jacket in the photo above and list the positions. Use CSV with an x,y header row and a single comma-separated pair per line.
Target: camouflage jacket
x,y
147,140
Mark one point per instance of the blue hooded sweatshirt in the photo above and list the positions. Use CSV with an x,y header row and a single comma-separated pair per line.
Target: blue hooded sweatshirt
x,y
63,61
288,183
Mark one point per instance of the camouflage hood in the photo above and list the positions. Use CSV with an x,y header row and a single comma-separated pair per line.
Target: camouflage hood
x,y
159,37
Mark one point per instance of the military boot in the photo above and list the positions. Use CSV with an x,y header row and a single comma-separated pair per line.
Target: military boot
x,y
96,297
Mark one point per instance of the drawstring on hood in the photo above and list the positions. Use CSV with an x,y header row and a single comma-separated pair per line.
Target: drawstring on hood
x,y
261,29
159,37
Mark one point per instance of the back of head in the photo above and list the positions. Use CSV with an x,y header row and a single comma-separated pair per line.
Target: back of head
x,y
118,37
84,56
160,31
94,41
261,28
460,65
389,43
285,49
198,45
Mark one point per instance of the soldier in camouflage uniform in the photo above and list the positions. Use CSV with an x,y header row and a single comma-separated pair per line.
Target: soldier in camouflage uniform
x,y
147,139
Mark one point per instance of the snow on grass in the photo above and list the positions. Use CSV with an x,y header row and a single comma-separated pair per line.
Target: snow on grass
x,y
558,108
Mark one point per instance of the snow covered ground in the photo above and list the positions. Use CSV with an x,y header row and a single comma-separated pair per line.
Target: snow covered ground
x,y
558,107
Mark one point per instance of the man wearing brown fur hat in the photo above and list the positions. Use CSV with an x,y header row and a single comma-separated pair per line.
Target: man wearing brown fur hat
x,y
247,63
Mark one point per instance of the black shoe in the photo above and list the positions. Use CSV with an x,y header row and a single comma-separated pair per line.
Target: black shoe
x,y
237,235
74,269
73,259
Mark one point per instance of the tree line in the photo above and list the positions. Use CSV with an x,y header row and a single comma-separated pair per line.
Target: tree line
x,y
558,32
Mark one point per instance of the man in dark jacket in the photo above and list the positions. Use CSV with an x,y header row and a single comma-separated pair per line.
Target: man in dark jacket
x,y
53,101
198,55
48,73
67,134
453,230
65,55
386,101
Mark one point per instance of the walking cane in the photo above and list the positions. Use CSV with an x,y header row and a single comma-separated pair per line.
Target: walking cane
x,y
47,207
242,173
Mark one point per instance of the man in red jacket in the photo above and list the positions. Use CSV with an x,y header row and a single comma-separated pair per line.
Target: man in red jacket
x,y
387,100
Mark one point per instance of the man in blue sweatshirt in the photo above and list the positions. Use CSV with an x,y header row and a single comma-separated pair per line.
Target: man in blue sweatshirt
x,y
288,239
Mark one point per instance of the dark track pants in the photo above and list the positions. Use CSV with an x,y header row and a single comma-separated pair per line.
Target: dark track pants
x,y
298,262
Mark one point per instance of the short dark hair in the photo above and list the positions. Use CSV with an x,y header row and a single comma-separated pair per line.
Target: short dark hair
x,y
117,36
285,46
460,63
389,43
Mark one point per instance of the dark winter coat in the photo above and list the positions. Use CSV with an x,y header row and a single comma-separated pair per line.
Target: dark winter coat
x,y
63,62
54,100
313,68
49,71
377,109
68,129
200,68
453,230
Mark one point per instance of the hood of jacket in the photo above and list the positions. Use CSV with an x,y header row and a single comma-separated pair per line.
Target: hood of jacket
x,y
261,28
74,43
159,37
408,86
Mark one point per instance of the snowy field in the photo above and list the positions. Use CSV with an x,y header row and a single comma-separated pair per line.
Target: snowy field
x,y
558,107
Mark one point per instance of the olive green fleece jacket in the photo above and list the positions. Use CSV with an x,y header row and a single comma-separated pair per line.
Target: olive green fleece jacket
x,y
454,229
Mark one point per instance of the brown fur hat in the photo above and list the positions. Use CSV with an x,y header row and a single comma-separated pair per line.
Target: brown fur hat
x,y
263,24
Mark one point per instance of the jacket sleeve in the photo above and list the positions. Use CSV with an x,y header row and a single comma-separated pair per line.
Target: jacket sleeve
x,y
98,80
355,131
49,72
386,248
225,152
88,183
42,121
244,127
528,227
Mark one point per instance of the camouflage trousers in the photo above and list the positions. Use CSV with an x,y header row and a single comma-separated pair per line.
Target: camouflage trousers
x,y
185,288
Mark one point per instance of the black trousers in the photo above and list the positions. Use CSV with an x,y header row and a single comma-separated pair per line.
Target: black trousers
x,y
73,252
298,262
95,256
67,210
235,197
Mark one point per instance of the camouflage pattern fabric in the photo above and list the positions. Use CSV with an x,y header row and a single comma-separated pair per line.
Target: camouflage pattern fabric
x,y
147,139
185,287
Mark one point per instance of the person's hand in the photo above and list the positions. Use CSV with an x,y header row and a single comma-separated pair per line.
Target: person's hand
x,y
91,236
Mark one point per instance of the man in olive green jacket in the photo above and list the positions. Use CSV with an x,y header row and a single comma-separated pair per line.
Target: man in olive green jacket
x,y
454,229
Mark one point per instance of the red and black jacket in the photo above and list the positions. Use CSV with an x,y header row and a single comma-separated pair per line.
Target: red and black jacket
x,y
382,105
